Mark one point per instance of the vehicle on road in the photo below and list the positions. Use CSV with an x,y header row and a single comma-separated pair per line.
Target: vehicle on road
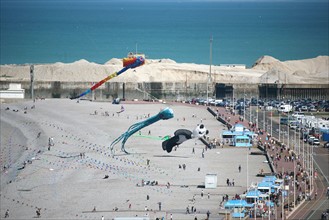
x,y
313,141
285,108
293,125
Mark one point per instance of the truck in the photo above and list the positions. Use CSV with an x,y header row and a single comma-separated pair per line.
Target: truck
x,y
285,108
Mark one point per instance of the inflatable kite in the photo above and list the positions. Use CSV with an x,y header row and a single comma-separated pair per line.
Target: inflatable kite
x,y
165,114
128,63
182,135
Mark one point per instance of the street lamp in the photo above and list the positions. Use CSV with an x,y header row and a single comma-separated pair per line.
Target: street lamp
x,y
209,75
244,104
32,80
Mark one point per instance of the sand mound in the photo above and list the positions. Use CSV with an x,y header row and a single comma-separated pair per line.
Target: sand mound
x,y
114,61
265,70
315,70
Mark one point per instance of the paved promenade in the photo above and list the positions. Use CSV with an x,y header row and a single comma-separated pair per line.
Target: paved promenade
x,y
285,161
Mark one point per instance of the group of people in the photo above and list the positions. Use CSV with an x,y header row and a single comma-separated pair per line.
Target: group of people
x,y
230,183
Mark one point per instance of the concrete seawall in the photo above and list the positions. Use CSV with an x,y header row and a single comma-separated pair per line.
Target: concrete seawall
x,y
171,90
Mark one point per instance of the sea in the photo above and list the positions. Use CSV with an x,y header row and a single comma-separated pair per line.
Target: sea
x,y
202,32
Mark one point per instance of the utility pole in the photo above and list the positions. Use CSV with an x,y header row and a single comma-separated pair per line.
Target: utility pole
x,y
209,75
244,103
32,82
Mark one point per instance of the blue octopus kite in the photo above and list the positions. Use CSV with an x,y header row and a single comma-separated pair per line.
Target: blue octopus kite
x,y
164,114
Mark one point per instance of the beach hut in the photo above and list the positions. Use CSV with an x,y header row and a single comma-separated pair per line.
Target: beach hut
x,y
265,187
238,136
252,196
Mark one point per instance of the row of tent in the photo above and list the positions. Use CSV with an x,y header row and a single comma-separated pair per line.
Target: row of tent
x,y
259,194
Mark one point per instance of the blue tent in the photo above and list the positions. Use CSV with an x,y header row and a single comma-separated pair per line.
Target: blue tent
x,y
253,194
238,214
237,204
269,203
265,186
269,179
262,185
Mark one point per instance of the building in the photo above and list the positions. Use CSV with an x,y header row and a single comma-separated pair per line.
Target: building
x,y
238,136
15,91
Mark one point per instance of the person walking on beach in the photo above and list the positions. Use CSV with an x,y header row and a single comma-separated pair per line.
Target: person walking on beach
x,y
38,211
208,214
187,210
7,213
239,168
201,194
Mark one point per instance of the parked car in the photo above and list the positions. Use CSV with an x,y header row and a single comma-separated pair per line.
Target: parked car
x,y
313,141
312,108
304,108
293,125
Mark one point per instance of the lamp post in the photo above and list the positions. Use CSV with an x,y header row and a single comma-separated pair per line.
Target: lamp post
x,y
209,75
247,170
250,109
288,144
32,82
257,113
244,104
264,120
279,127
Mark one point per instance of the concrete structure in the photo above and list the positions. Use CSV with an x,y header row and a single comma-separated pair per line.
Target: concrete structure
x,y
210,181
14,91
171,90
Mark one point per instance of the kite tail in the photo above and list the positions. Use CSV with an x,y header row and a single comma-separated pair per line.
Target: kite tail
x,y
97,85
117,141
162,115
82,94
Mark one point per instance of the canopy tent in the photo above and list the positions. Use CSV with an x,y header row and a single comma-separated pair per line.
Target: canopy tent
x,y
253,194
269,179
270,203
237,204
266,187
238,214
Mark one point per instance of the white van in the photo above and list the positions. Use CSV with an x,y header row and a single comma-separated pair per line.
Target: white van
x,y
285,108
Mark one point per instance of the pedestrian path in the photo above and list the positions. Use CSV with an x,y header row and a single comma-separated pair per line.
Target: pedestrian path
x,y
284,162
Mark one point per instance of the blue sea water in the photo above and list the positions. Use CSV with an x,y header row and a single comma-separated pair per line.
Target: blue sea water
x,y
65,31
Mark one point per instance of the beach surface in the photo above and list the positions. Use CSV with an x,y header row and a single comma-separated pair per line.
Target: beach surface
x,y
65,185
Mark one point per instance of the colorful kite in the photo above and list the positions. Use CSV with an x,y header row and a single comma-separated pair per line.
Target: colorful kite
x,y
165,114
128,63
121,110
182,135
